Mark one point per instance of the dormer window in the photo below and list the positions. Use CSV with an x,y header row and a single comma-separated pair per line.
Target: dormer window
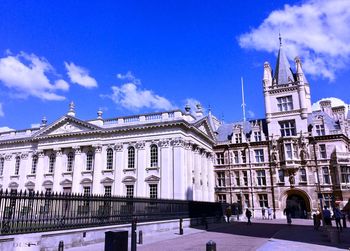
x,y
320,130
238,138
257,136
285,103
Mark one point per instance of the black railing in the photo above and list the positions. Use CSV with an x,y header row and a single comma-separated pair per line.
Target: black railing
x,y
23,212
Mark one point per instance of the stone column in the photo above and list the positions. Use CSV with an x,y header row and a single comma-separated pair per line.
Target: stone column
x,y
140,165
96,182
23,171
211,177
77,170
197,163
189,170
40,170
57,174
118,167
8,167
165,169
179,169
204,178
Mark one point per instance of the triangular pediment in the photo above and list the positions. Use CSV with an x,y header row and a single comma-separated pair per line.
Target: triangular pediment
x,y
204,126
66,125
152,178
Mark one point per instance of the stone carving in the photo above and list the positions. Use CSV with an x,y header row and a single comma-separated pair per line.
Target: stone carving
x,y
118,147
291,179
66,128
164,143
8,157
98,148
77,150
274,151
24,155
140,145
178,142
303,148
188,145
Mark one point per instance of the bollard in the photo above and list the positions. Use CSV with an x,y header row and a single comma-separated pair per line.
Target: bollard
x,y
344,221
133,235
140,237
61,246
211,246
181,228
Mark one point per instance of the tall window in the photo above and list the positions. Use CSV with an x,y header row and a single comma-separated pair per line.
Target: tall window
x,y
222,198
2,164
295,151
70,161
153,191
130,191
221,179
287,128
220,160
323,152
154,156
320,130
285,103
34,164
246,200
239,199
131,157
52,161
89,160
326,178
263,200
288,150
345,174
281,175
245,178
260,174
244,159
259,156
235,157
238,182
17,165
86,190
257,136
303,177
109,159
238,137
108,191
327,197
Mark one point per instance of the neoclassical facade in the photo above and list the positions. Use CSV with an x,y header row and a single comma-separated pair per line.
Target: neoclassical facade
x,y
165,155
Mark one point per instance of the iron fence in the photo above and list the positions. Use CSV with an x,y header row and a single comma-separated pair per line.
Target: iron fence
x,y
25,212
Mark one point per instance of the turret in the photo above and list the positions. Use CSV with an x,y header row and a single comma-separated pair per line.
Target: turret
x,y
267,82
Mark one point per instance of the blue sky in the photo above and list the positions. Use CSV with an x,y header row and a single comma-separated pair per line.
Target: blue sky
x,y
130,57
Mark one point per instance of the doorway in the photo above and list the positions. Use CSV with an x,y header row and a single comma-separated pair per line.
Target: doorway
x,y
297,205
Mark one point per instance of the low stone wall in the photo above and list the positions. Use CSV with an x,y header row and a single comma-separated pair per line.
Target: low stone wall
x,y
48,241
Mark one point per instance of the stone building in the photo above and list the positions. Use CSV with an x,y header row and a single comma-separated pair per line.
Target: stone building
x,y
292,157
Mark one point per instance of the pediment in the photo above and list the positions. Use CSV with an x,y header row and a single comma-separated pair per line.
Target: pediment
x,y
204,126
66,182
107,180
66,125
129,179
152,178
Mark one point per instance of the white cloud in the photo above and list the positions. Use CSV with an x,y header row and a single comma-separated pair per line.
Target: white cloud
x,y
132,97
251,114
34,125
335,102
27,75
5,129
317,30
80,75
2,114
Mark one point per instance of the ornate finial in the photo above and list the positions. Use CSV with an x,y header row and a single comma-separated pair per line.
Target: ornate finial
x,y
99,113
43,121
187,108
71,111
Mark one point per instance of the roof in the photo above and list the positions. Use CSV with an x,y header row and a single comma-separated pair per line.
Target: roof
x,y
283,72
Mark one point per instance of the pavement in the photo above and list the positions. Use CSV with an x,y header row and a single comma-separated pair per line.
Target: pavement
x,y
262,235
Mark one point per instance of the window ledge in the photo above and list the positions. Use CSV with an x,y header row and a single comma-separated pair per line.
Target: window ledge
x,y
302,182
86,172
152,168
48,174
280,183
107,171
32,175
129,170
14,176
67,173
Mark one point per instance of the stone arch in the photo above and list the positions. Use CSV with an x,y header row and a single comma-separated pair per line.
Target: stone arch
x,y
296,193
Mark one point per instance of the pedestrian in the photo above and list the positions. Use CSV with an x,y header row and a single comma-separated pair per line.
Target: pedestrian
x,y
327,216
228,213
288,213
338,216
248,214
263,213
269,213
346,209
317,220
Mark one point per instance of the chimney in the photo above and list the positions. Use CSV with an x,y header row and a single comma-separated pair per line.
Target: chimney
x,y
326,106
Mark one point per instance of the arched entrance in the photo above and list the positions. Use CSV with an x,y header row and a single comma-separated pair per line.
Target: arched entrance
x,y
298,202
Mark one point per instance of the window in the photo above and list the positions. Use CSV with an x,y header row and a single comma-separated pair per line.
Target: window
x,y
326,178
288,150
244,159
131,157
70,161
52,160
222,198
154,156
109,161
130,191
245,178
108,191
263,200
295,151
153,191
238,137
257,136
303,177
320,130
220,159
285,103
238,182
327,197
221,179
287,128
259,156
281,176
239,199
86,190
17,165
89,160
235,156
2,164
345,174
246,200
48,190
323,152
261,177
34,164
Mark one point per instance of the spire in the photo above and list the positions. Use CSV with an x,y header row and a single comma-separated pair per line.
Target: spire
x,y
299,70
283,72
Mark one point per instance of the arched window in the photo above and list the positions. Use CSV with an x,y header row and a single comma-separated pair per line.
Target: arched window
x,y
17,165
89,160
2,164
52,161
70,161
34,164
131,157
109,159
154,156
